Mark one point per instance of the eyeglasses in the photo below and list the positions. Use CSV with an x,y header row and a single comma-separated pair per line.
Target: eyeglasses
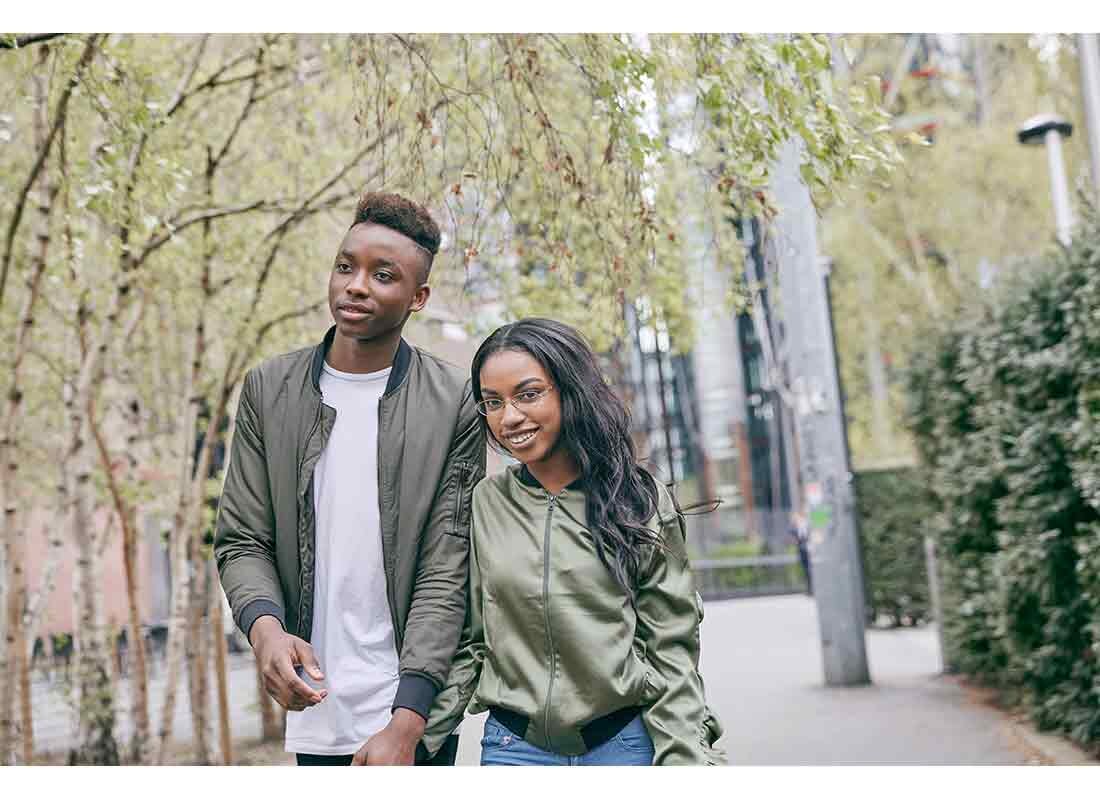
x,y
522,401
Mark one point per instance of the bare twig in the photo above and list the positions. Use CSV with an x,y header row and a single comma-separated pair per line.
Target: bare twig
x,y
28,39
237,375
212,166
40,160
216,213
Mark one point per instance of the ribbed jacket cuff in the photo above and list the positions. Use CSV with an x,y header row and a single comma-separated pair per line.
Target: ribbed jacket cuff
x,y
416,693
256,609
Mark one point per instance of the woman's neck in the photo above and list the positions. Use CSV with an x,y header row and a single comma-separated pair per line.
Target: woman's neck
x,y
556,471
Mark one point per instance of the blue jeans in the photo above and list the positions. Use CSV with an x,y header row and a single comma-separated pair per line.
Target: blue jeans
x,y
630,747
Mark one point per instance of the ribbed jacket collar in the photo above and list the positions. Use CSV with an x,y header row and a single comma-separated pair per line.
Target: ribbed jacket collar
x,y
400,367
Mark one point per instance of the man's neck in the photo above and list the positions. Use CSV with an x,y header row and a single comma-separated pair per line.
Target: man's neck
x,y
360,356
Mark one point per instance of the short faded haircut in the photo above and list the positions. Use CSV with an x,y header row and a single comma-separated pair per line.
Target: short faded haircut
x,y
402,215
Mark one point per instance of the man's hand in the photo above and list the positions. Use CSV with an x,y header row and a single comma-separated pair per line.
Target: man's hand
x,y
278,653
394,745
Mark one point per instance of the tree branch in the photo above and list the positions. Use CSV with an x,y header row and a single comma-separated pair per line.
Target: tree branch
x,y
252,76
238,374
212,166
40,160
307,208
156,243
31,38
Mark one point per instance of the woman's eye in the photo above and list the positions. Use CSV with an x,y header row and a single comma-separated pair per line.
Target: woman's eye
x,y
385,277
343,268
528,397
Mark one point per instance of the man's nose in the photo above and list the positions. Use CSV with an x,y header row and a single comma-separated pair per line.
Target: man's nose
x,y
359,283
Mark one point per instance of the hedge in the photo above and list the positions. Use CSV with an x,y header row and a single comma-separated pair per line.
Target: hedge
x,y
1005,410
894,510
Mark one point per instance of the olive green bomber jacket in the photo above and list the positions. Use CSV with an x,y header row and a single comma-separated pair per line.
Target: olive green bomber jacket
x,y
552,636
431,453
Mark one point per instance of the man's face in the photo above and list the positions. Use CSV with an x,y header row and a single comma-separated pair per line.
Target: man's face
x,y
376,282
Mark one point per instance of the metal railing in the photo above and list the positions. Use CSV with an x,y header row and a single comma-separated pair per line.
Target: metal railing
x,y
748,576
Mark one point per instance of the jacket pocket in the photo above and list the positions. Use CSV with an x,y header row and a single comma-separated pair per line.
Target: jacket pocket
x,y
653,683
463,477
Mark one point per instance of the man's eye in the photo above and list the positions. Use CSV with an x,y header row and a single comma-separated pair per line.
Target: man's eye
x,y
343,268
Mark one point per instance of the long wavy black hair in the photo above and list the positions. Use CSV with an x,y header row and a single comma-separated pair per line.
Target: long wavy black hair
x,y
621,495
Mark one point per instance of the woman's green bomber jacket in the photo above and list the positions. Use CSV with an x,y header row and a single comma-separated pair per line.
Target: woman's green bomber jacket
x,y
551,635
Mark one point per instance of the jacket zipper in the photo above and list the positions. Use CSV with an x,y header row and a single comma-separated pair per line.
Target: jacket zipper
x,y
303,590
546,610
387,566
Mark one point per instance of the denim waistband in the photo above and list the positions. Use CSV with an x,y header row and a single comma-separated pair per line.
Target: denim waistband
x,y
594,733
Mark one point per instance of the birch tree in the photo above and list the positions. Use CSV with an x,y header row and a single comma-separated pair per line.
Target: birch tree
x,y
170,208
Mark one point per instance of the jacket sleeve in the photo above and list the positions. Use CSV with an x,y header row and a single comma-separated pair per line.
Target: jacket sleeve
x,y
451,702
438,607
669,613
244,536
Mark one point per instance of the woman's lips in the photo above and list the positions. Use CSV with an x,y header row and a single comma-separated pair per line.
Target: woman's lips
x,y
521,439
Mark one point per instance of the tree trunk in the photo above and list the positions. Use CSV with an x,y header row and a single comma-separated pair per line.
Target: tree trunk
x,y
13,579
198,655
14,663
55,542
225,739
23,667
139,692
182,538
139,673
181,589
95,742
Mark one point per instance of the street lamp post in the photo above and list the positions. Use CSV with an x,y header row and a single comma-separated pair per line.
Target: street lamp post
x,y
1049,129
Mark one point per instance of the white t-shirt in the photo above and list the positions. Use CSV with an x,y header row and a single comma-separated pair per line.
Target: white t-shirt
x,y
352,634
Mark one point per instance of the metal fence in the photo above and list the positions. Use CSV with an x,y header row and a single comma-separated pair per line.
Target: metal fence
x,y
748,576
744,554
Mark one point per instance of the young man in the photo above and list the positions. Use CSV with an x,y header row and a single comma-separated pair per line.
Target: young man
x,y
343,530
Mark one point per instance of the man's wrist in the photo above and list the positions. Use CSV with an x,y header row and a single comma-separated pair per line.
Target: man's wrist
x,y
262,627
408,723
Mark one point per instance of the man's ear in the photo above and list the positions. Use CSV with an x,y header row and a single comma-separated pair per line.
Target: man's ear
x,y
420,297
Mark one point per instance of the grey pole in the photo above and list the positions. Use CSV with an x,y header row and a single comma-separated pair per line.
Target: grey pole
x,y
931,563
1059,188
835,560
1089,54
1049,129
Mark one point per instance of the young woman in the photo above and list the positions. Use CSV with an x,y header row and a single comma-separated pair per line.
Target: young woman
x,y
582,637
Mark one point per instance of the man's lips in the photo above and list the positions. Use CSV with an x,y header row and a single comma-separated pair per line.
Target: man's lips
x,y
353,310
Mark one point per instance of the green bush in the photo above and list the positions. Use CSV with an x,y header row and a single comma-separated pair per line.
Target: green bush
x,y
1005,410
894,507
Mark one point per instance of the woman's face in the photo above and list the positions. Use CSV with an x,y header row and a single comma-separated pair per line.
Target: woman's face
x,y
529,426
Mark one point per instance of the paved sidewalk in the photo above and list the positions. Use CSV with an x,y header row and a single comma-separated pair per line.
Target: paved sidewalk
x,y
55,718
762,667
